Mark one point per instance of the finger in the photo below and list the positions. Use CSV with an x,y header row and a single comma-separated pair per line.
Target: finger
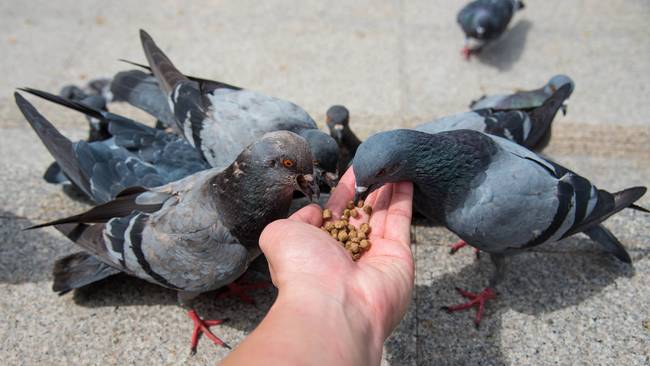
x,y
399,214
343,193
310,214
379,210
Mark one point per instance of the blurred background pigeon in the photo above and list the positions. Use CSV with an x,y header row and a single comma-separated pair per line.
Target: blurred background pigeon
x,y
530,127
525,100
483,21
337,119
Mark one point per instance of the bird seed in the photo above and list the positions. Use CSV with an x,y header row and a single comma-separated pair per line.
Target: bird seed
x,y
353,239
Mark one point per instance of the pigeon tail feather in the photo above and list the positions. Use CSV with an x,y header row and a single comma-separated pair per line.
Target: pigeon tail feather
x,y
78,270
77,106
161,66
58,145
609,242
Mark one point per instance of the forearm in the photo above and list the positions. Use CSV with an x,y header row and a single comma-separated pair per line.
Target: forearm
x,y
299,331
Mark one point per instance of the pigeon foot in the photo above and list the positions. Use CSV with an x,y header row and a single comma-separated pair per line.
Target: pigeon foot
x,y
475,300
203,327
461,244
240,289
466,52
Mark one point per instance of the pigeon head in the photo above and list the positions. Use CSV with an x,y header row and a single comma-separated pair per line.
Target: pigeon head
x,y
383,158
557,82
280,160
325,152
338,119
257,188
481,26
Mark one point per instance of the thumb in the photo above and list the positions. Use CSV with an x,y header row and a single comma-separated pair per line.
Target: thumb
x,y
310,214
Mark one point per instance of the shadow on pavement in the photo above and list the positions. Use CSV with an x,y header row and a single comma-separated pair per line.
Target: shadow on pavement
x,y
28,255
123,290
507,50
554,277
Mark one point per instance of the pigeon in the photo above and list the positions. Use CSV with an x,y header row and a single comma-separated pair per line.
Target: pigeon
x,y
495,195
95,94
193,235
338,122
219,120
483,21
97,130
525,100
530,128
144,156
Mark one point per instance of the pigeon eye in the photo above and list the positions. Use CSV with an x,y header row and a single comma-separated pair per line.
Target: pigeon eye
x,y
381,172
288,163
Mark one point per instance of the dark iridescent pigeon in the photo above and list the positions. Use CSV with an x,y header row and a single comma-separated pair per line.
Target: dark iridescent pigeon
x,y
494,194
94,96
483,21
530,128
338,122
193,235
143,156
524,100
220,120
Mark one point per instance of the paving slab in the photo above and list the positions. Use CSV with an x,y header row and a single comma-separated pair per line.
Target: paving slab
x,y
394,64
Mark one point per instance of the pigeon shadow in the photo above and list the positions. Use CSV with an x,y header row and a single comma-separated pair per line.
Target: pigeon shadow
x,y
123,290
28,255
559,276
504,52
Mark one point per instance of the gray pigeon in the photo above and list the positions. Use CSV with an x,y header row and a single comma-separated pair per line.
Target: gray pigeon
x,y
141,90
530,128
483,21
193,235
524,100
140,155
494,194
338,122
220,120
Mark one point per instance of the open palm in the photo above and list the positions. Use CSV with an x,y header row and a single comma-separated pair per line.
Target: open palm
x,y
378,285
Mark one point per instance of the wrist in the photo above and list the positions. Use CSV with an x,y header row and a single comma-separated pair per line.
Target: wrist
x,y
334,321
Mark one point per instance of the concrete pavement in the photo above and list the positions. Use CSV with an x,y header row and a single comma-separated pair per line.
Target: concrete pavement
x,y
393,63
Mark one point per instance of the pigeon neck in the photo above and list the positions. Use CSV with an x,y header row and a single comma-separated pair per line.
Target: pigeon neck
x,y
350,140
444,166
247,202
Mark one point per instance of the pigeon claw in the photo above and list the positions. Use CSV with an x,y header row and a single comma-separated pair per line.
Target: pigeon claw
x,y
239,290
475,300
457,246
466,52
461,244
202,326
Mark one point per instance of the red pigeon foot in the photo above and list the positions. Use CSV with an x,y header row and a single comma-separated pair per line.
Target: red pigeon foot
x,y
203,327
475,300
240,289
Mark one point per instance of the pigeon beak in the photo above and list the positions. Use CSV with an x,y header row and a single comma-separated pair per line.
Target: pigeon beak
x,y
564,108
308,186
338,134
360,193
332,179
325,178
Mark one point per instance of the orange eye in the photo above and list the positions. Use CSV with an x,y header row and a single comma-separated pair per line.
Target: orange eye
x,y
287,163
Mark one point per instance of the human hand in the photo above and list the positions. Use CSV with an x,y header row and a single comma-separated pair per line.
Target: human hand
x,y
309,266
